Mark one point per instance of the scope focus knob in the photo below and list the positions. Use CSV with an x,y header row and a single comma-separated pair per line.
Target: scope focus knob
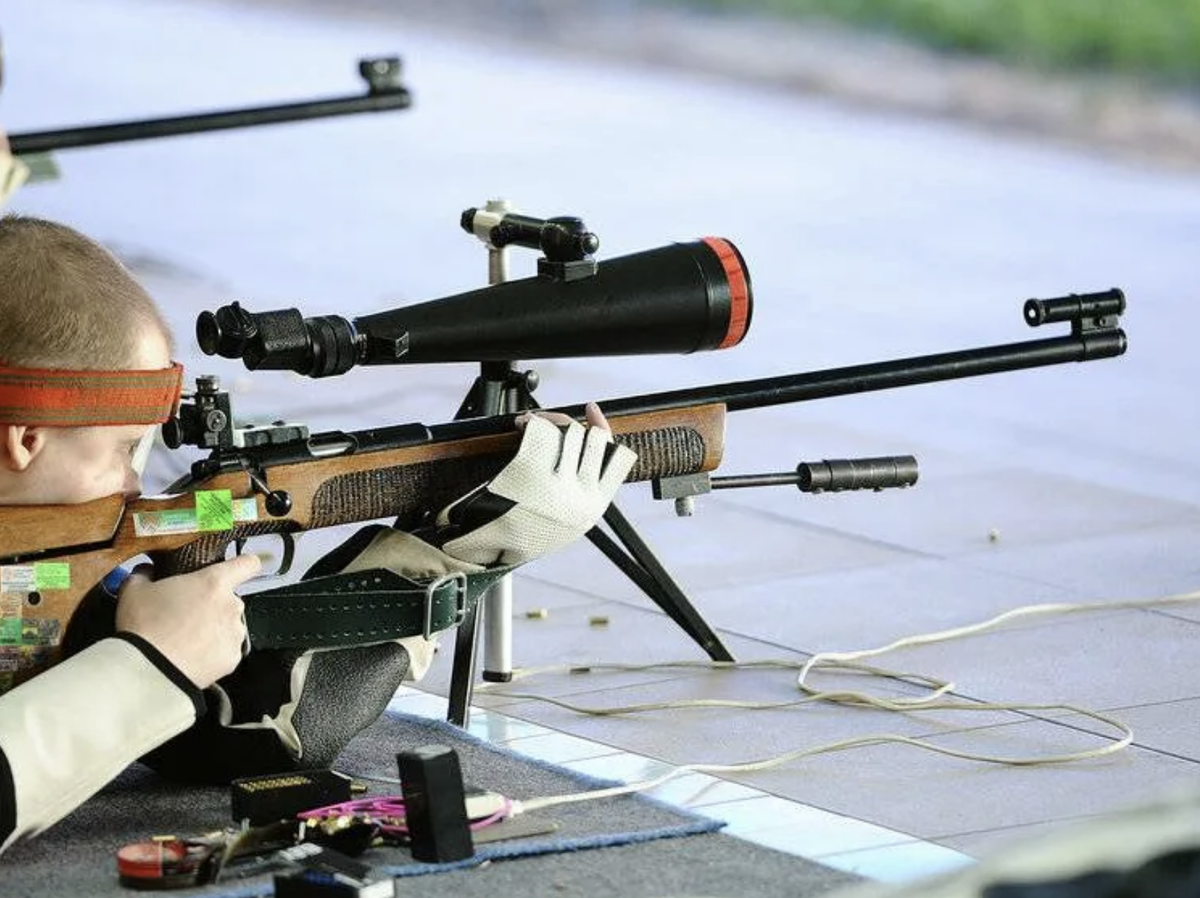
x,y
226,331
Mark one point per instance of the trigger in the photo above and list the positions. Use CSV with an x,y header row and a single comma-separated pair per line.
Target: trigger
x,y
269,557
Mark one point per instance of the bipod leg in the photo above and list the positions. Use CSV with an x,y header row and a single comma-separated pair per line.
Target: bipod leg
x,y
462,672
638,562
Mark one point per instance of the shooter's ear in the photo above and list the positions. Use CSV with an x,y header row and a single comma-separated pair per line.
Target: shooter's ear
x,y
20,445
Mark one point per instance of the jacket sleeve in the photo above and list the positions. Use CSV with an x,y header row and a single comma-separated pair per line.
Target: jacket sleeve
x,y
69,731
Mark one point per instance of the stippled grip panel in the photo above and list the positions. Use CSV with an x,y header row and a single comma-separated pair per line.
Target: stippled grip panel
x,y
669,452
212,547
410,492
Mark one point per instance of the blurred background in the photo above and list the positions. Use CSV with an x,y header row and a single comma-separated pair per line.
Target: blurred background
x,y
899,176
1113,73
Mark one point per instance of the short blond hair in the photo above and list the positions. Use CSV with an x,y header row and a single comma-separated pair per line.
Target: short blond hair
x,y
66,301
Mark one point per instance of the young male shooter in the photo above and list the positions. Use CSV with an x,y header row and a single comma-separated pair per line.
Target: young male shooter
x,y
157,672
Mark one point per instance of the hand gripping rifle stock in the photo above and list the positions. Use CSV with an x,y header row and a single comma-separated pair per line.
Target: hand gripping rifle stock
x,y
51,556
288,482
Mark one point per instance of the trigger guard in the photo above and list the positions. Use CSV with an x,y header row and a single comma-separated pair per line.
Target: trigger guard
x,y
289,554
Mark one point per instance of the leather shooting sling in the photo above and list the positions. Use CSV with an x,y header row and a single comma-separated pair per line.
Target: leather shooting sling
x,y
361,608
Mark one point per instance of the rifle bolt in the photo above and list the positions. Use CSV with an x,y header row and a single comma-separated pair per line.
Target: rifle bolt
x,y
278,503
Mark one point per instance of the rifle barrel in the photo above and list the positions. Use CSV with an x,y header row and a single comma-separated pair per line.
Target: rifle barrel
x,y
780,390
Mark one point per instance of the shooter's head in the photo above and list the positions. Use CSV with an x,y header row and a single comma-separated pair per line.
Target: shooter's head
x,y
85,366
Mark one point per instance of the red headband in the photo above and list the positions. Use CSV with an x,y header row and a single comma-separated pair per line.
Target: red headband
x,y
60,398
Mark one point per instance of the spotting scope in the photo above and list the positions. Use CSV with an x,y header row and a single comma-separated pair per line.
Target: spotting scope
x,y
675,299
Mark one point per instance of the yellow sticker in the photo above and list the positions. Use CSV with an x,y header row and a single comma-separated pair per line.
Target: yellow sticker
x,y
214,509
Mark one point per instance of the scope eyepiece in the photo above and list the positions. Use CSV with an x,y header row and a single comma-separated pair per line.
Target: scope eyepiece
x,y
281,340
226,331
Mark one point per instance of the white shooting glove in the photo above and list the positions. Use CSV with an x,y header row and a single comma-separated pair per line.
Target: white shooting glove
x,y
555,490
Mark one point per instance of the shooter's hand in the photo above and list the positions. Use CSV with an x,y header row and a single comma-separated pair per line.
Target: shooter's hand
x,y
558,486
194,619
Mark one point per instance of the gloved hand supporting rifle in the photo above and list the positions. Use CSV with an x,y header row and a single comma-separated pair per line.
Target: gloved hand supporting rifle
x,y
288,708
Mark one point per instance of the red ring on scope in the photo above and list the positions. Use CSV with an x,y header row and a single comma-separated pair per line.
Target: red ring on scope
x,y
739,290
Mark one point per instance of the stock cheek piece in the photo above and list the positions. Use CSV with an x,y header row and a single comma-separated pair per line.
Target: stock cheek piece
x,y
54,397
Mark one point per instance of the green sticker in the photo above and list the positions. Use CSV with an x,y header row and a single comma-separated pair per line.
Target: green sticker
x,y
52,574
170,520
214,509
10,631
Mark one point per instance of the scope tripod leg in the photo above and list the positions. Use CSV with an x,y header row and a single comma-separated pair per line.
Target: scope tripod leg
x,y
638,562
492,393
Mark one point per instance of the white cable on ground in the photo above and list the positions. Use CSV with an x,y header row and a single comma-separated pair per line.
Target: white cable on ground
x,y
935,699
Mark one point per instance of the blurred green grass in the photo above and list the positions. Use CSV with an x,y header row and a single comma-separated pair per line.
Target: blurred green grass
x,y
1158,40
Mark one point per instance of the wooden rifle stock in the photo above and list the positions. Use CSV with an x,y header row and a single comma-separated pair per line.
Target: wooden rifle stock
x,y
52,556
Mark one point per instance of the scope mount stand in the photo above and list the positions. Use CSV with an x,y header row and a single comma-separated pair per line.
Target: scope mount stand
x,y
501,389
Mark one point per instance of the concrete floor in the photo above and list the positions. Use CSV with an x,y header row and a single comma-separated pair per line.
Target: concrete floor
x,y
869,236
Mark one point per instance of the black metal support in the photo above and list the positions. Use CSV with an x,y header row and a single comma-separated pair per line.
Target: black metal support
x,y
639,563
498,389
462,671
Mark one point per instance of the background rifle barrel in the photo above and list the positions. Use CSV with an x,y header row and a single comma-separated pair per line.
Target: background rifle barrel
x,y
748,394
144,129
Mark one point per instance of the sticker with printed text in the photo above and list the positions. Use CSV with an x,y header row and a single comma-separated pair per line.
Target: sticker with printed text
x,y
18,578
214,509
189,520
41,632
52,575
36,577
